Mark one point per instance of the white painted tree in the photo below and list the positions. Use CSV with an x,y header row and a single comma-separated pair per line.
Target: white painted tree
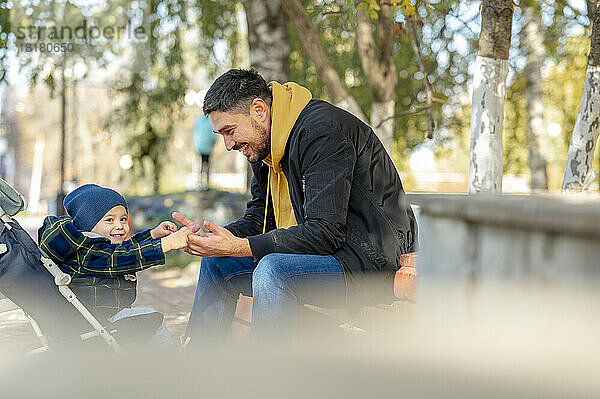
x,y
579,173
489,87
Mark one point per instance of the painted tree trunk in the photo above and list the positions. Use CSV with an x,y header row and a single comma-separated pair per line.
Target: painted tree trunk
x,y
487,114
578,171
534,45
267,37
489,87
382,122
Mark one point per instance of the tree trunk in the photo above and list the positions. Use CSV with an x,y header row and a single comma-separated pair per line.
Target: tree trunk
x,y
313,47
380,69
578,171
382,122
267,37
590,5
534,46
489,87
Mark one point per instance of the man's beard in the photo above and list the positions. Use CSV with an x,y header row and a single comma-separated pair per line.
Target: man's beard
x,y
264,148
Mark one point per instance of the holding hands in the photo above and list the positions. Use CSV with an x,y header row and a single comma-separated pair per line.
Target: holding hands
x,y
170,237
176,240
217,242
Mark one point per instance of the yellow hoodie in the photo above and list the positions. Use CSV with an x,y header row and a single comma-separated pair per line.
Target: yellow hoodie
x,y
289,100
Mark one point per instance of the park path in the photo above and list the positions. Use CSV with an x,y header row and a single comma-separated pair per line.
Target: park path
x,y
168,290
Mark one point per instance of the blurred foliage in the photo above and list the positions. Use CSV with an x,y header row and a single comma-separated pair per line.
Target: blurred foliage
x,y
153,88
566,40
65,17
215,22
445,63
187,36
5,29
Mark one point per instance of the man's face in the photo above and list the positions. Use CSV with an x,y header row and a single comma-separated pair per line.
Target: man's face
x,y
246,133
114,225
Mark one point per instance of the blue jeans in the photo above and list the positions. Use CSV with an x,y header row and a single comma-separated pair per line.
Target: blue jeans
x,y
278,283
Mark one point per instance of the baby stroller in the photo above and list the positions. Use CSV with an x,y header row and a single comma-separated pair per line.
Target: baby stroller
x,y
38,286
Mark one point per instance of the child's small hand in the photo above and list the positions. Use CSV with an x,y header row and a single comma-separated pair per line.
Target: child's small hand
x,y
163,229
175,240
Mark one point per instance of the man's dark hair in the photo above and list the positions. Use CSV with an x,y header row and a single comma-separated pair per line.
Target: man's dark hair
x,y
235,90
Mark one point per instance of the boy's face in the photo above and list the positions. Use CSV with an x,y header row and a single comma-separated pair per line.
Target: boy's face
x,y
113,225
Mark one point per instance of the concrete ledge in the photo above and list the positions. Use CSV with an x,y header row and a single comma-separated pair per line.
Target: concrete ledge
x,y
559,214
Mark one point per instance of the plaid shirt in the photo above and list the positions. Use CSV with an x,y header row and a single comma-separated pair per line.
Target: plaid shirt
x,y
99,270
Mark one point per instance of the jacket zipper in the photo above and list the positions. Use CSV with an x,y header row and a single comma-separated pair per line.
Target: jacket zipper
x,y
341,264
304,196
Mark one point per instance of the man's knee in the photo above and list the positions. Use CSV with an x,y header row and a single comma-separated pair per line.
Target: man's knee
x,y
268,272
209,265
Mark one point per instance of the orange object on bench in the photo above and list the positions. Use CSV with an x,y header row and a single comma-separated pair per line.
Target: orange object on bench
x,y
404,280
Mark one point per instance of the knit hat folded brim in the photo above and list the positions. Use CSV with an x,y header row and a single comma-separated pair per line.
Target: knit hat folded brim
x,y
87,204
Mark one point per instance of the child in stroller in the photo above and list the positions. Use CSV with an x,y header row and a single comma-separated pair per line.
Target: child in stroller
x,y
93,245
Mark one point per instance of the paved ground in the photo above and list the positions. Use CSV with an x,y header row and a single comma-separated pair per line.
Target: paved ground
x,y
168,290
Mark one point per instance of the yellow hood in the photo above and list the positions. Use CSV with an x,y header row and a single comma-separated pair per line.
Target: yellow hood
x,y
289,100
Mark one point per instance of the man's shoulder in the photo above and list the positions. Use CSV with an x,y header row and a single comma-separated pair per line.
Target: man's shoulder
x,y
319,113
320,107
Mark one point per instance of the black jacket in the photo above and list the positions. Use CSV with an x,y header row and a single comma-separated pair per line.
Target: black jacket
x,y
347,198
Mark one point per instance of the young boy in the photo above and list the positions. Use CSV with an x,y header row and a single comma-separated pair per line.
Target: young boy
x,y
92,245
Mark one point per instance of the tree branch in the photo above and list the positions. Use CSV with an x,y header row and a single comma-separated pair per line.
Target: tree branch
x,y
466,23
404,113
314,48
415,44
413,111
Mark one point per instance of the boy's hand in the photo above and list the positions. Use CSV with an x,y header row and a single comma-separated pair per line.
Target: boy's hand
x,y
163,229
175,240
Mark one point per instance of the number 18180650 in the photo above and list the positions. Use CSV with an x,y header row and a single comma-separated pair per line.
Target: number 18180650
x,y
46,47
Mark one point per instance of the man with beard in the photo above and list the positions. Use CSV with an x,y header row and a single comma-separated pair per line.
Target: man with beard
x,y
327,222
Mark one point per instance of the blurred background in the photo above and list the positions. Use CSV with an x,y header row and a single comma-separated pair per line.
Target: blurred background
x,y
109,92
117,103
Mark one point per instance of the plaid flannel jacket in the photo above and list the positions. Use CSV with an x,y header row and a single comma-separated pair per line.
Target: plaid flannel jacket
x,y
99,270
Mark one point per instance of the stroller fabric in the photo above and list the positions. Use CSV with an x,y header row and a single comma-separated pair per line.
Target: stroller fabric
x,y
28,284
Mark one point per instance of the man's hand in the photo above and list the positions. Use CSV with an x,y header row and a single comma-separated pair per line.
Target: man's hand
x,y
218,242
163,229
194,227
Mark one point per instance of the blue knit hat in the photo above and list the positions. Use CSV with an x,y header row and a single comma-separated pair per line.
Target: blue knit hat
x,y
87,204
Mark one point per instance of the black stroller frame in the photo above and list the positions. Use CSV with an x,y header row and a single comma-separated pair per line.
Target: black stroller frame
x,y
15,272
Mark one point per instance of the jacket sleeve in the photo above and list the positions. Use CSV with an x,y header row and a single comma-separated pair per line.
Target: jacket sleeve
x,y
253,220
82,255
327,162
141,236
